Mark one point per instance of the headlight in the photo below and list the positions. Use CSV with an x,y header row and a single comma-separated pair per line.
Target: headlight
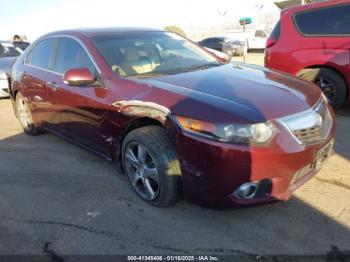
x,y
258,134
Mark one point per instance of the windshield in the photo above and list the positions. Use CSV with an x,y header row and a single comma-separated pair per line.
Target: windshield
x,y
8,50
152,53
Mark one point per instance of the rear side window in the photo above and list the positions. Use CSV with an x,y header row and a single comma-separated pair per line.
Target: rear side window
x,y
70,54
40,56
331,21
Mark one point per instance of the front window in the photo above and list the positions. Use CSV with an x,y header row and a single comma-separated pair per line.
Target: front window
x,y
8,50
70,54
152,53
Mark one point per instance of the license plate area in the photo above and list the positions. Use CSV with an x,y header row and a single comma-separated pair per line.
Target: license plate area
x,y
321,157
323,154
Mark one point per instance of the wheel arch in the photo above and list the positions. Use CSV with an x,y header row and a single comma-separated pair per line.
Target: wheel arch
x,y
141,114
13,95
320,66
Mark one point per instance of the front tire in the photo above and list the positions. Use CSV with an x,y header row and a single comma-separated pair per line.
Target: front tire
x,y
150,162
25,116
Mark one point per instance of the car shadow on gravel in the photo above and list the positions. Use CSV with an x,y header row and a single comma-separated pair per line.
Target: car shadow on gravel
x,y
342,144
54,192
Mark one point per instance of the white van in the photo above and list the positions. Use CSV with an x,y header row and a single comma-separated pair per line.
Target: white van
x,y
255,39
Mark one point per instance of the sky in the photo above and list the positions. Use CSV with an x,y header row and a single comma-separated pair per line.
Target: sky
x,y
36,17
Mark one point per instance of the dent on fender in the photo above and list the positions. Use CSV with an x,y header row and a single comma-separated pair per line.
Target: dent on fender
x,y
143,109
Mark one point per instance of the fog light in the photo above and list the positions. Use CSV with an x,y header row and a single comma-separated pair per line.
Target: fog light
x,y
247,190
253,190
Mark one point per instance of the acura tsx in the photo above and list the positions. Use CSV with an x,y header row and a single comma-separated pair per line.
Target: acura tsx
x,y
176,119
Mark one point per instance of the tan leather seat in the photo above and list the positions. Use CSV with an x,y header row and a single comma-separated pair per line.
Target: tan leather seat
x,y
134,64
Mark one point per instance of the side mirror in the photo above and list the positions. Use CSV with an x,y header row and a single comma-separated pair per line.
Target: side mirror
x,y
78,77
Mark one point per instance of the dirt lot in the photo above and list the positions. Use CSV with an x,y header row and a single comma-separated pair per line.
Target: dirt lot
x,y
252,58
56,198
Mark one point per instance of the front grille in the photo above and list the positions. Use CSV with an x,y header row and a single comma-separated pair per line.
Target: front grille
x,y
309,135
312,126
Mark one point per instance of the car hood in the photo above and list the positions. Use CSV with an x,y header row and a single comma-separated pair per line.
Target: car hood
x,y
6,63
256,89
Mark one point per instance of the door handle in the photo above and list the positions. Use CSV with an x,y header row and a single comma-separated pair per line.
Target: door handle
x,y
53,85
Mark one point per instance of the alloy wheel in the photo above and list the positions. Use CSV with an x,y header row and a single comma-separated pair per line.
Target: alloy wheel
x,y
23,113
142,171
327,87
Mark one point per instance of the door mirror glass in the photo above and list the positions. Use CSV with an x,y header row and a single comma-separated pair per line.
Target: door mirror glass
x,y
78,77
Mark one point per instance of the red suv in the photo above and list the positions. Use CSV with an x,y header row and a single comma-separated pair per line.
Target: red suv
x,y
313,42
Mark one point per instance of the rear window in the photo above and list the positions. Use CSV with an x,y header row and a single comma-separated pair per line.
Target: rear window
x,y
331,21
276,32
40,56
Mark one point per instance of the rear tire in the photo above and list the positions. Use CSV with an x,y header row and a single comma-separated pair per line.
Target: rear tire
x,y
25,117
331,83
150,162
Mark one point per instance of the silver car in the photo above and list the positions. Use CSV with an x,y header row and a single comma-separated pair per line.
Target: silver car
x,y
8,54
234,48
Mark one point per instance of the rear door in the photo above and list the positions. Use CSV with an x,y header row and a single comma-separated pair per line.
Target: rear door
x,y
324,37
79,114
37,71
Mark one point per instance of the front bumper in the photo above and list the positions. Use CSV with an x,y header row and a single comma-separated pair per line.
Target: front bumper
x,y
212,171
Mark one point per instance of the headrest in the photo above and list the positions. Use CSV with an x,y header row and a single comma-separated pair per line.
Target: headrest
x,y
132,54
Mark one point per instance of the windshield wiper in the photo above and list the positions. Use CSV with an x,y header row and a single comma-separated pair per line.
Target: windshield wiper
x,y
202,66
150,74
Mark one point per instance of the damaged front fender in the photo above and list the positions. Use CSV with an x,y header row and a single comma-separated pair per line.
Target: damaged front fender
x,y
137,108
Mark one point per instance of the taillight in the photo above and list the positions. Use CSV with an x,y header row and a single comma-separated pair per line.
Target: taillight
x,y
275,34
271,41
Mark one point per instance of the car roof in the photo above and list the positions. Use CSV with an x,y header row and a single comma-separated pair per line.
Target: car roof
x,y
90,32
314,5
214,37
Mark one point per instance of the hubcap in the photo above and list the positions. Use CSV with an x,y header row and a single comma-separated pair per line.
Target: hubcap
x,y
23,113
142,171
327,87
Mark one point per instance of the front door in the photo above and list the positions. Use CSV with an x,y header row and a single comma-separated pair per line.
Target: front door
x,y
79,114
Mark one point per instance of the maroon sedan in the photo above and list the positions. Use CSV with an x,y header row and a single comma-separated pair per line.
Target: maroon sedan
x,y
174,118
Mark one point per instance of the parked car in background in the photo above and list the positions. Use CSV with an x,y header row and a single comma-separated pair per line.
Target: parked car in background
x,y
215,43
226,45
313,42
173,117
254,39
21,45
8,54
234,48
